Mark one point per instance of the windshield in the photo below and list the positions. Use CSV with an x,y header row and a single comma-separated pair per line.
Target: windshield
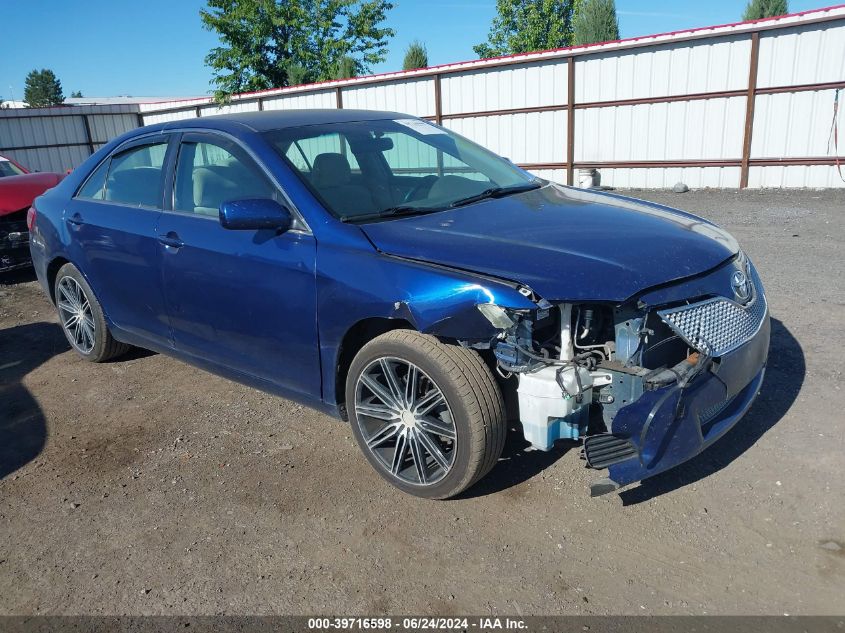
x,y
368,170
8,168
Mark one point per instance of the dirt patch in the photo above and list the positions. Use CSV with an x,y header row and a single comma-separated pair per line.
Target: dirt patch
x,y
145,486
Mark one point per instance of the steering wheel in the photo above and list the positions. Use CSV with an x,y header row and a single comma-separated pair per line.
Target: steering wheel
x,y
425,183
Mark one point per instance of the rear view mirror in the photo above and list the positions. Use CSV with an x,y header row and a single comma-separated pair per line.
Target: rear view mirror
x,y
380,144
254,214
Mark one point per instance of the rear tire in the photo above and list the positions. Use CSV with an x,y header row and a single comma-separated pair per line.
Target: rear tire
x,y
82,318
444,443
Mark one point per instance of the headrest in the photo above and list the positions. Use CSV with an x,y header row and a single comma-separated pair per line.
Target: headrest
x,y
331,170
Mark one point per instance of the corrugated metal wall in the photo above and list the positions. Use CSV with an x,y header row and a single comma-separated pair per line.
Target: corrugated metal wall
x,y
647,113
746,104
58,139
798,124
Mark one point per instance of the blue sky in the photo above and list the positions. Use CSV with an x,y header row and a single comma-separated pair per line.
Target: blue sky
x,y
156,47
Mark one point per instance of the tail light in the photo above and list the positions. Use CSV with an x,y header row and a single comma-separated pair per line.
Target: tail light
x,y
30,218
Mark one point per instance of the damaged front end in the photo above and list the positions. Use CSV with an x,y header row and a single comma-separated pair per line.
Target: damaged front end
x,y
14,241
647,383
16,198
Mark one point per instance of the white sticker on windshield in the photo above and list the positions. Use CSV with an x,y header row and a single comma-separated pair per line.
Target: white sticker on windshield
x,y
420,127
3,159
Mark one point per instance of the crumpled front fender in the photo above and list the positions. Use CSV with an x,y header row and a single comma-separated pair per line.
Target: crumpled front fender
x,y
434,299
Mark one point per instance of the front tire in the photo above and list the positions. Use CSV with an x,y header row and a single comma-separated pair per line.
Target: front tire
x,y
428,416
82,318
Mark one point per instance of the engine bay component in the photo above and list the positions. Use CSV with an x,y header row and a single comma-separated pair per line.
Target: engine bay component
x,y
554,400
517,352
578,365
547,414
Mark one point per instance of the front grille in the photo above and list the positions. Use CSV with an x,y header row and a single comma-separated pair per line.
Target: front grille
x,y
718,326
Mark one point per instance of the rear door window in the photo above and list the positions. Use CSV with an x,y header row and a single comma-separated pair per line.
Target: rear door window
x,y
95,187
135,176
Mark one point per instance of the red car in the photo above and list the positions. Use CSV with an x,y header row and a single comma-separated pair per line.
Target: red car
x,y
18,189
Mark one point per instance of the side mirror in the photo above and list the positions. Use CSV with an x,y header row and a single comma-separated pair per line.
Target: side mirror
x,y
254,214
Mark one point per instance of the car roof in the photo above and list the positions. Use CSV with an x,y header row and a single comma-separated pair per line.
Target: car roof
x,y
279,119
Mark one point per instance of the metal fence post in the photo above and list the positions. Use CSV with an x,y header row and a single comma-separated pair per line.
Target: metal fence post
x,y
570,121
749,109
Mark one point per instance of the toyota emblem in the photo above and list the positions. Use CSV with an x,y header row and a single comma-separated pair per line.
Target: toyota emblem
x,y
740,285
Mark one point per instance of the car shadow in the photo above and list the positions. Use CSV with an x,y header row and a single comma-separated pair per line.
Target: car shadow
x,y
784,377
15,277
519,462
23,427
134,353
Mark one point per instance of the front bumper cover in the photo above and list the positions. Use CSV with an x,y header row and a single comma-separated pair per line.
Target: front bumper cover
x,y
670,425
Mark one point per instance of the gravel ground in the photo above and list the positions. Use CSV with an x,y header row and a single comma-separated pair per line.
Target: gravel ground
x,y
145,486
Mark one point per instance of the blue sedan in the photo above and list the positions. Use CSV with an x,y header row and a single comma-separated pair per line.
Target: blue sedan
x,y
395,274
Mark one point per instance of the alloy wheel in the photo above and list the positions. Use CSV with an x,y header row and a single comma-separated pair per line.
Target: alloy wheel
x,y
76,315
405,421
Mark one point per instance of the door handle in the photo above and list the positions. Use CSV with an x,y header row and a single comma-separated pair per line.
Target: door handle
x,y
76,219
171,240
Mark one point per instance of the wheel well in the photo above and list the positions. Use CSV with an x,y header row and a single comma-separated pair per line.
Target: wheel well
x,y
355,338
52,271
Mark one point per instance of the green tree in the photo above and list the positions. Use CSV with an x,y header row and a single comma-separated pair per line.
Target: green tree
x,y
42,88
596,22
76,94
346,68
758,9
416,56
297,74
263,42
521,26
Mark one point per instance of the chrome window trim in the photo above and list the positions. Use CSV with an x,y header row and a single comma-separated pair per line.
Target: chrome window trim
x,y
112,203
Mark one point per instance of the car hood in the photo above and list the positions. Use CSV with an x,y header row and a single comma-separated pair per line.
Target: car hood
x,y
18,192
565,243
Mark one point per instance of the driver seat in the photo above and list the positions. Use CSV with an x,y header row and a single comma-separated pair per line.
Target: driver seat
x,y
332,178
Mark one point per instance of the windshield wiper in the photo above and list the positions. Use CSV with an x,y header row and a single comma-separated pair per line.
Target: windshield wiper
x,y
497,192
406,209
390,212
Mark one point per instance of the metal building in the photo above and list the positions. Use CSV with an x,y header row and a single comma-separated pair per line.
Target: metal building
x,y
739,105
